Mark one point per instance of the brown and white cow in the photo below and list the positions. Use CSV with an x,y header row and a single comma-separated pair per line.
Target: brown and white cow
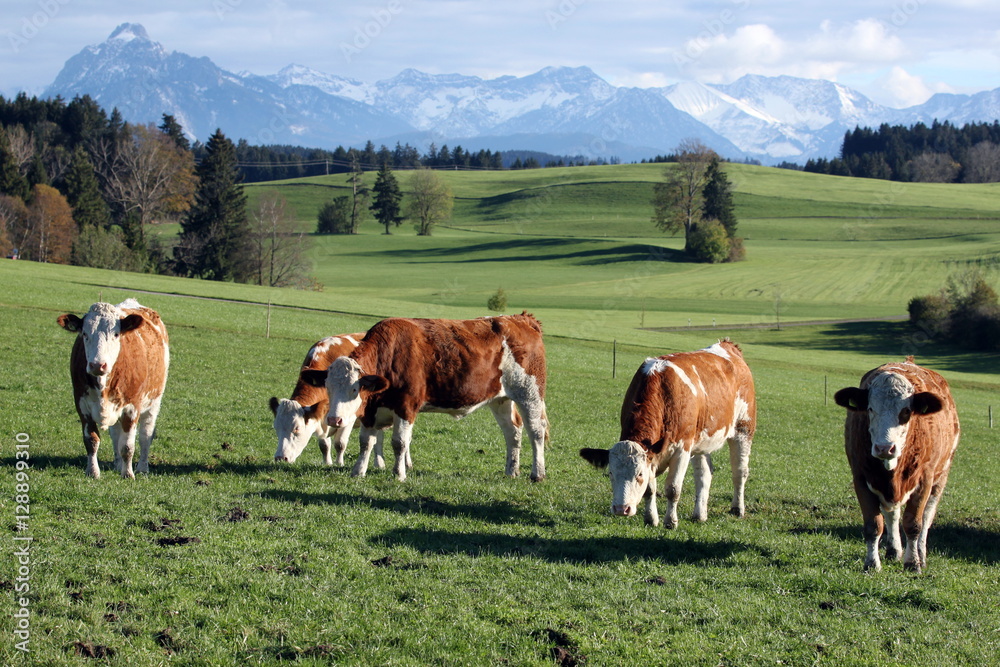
x,y
406,366
119,368
678,409
298,418
900,436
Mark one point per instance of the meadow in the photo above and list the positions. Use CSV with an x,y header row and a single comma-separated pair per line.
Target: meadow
x,y
219,556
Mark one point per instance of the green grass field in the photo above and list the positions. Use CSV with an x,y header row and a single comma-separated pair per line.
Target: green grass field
x,y
460,565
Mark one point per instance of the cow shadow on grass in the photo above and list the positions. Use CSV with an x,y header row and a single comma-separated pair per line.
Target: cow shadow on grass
x,y
495,512
46,461
559,550
949,540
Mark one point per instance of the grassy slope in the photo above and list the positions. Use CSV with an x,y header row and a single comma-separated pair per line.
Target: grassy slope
x,y
485,569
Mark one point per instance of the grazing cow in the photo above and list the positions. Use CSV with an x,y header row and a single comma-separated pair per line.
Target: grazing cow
x,y
119,369
298,418
900,436
406,366
679,409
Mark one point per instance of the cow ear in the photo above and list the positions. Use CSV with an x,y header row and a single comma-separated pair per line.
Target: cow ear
x,y
596,457
374,384
852,398
925,403
314,378
130,322
309,411
70,322
274,405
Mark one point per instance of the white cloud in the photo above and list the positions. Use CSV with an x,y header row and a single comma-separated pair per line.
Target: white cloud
x,y
904,89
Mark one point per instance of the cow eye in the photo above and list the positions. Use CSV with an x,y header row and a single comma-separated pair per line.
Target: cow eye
x,y
904,415
639,479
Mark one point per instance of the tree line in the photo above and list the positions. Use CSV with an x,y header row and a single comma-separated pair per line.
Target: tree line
x,y
939,153
80,186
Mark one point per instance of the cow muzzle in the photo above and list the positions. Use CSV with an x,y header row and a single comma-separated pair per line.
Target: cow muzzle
x,y
335,422
97,368
281,459
623,510
884,451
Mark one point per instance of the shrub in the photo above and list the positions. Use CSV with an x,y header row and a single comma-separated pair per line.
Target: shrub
x,y
708,242
930,313
335,217
498,302
104,249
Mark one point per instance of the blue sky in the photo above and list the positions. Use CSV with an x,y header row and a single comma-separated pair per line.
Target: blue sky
x,y
898,52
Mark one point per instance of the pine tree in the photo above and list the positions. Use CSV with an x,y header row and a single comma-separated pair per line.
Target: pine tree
x,y
173,129
215,233
84,193
360,194
717,197
386,204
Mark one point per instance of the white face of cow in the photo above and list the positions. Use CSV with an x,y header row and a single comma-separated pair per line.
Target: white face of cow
x,y
101,329
343,385
294,425
630,474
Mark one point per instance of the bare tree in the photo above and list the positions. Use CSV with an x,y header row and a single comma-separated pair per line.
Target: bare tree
x,y
982,163
430,200
361,194
147,174
279,249
933,168
22,147
678,199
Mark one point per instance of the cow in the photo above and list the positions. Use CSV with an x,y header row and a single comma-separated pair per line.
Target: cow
x,y
406,366
900,437
679,409
118,366
298,418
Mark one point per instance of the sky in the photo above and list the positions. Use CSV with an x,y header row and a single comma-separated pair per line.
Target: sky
x,y
897,52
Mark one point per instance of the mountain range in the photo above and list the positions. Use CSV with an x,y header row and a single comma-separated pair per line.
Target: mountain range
x,y
559,110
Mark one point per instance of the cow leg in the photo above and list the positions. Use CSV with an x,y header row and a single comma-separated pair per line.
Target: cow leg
x,y
652,515
379,453
503,413
873,526
893,545
739,461
913,526
115,433
402,432
147,429
537,424
930,511
91,442
367,437
702,465
125,443
338,438
675,479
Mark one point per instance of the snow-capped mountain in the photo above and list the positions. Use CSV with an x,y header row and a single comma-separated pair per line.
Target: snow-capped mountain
x,y
560,110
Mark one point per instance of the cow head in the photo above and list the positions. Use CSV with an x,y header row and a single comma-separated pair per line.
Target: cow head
x,y
348,388
629,466
101,330
294,424
890,403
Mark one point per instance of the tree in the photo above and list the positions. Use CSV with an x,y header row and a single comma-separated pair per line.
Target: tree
x,y
104,248
214,235
278,249
930,167
335,217
677,201
708,242
173,129
386,203
83,192
52,230
430,200
14,222
717,197
982,163
12,182
146,175
360,194
498,301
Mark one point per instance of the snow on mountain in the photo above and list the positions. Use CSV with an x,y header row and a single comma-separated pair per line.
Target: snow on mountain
x,y
568,110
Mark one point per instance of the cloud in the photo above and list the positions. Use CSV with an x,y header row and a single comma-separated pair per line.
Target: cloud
x,y
826,52
904,89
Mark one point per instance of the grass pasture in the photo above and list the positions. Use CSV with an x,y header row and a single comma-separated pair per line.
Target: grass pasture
x,y
221,557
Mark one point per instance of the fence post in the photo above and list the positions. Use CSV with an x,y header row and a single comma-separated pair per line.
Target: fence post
x,y
268,333
614,359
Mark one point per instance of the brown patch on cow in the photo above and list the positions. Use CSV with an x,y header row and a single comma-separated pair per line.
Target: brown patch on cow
x,y
236,514
178,541
92,650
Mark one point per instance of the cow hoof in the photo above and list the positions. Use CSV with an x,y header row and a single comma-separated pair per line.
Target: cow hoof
x,y
737,512
537,478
